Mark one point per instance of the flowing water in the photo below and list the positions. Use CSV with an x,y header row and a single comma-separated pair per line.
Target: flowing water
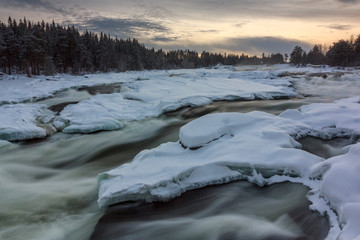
x,y
237,210
49,188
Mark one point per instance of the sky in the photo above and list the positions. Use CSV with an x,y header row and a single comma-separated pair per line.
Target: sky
x,y
222,26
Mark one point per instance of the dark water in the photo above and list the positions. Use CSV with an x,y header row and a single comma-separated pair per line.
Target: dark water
x,y
238,210
326,148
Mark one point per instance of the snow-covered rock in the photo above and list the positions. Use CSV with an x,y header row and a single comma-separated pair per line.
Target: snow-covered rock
x,y
228,151
24,121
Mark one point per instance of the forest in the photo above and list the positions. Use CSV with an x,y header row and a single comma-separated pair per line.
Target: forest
x,y
49,48
344,53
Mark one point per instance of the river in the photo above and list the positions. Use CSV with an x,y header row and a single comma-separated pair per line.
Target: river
x,y
49,187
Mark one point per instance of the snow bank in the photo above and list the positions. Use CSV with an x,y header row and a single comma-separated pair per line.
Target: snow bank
x,y
258,147
24,121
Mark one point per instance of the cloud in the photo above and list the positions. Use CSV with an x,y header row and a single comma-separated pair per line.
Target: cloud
x,y
247,45
258,45
209,31
341,27
241,24
348,1
164,39
33,4
123,28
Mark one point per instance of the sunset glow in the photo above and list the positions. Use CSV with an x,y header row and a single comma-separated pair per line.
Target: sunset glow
x,y
228,26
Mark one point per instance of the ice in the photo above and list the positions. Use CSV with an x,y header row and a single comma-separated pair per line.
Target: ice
x,y
257,147
24,121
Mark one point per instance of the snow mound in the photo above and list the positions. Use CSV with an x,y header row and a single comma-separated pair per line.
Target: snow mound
x,y
25,121
257,147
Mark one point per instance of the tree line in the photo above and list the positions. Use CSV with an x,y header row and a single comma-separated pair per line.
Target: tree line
x,y
344,53
49,48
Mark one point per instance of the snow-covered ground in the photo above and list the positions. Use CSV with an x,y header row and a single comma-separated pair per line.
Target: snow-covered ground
x,y
258,147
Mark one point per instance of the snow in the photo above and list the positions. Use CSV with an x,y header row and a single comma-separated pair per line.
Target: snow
x,y
257,147
144,94
340,187
148,94
164,91
24,121
339,115
19,88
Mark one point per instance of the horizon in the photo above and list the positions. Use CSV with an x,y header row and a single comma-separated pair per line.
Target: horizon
x,y
249,27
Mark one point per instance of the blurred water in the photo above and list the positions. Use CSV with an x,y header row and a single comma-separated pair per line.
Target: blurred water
x,y
238,210
49,189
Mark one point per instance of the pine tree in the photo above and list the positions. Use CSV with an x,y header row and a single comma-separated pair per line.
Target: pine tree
x,y
340,54
296,56
357,51
316,56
